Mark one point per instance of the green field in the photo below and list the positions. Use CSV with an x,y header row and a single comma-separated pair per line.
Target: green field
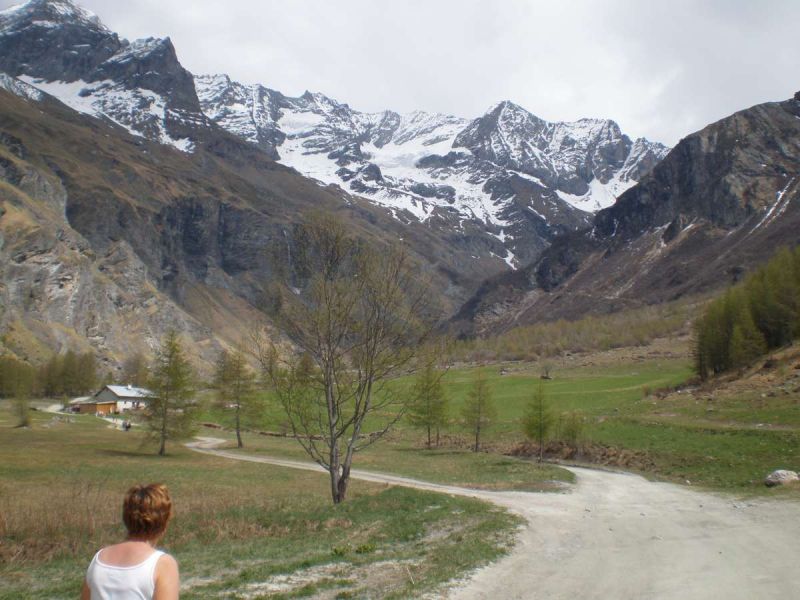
x,y
672,439
244,528
239,527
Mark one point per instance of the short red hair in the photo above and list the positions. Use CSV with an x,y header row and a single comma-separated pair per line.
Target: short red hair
x,y
146,510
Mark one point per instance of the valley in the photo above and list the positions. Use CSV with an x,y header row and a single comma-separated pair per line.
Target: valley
x,y
388,532
433,345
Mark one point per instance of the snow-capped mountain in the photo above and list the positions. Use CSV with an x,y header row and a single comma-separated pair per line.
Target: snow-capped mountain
x,y
508,169
508,178
422,161
67,52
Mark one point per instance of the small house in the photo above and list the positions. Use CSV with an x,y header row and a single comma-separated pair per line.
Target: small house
x,y
124,397
93,406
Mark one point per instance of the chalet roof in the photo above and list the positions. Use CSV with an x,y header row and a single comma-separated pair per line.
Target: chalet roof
x,y
90,400
129,392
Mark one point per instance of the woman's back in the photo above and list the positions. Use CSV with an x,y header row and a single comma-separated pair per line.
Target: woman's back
x,y
123,572
134,570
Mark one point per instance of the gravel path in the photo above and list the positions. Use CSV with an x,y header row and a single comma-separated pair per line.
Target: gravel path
x,y
618,536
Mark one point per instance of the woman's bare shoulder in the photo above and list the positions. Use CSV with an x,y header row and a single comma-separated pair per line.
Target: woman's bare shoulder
x,y
167,579
166,564
167,559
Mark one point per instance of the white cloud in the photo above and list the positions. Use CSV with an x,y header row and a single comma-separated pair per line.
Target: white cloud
x,y
660,69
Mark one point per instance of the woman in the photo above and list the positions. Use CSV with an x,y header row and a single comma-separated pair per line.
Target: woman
x,y
134,569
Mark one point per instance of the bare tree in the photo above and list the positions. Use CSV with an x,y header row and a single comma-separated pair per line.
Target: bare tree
x,y
361,320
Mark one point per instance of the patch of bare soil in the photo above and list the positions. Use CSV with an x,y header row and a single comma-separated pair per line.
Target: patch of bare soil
x,y
596,454
334,580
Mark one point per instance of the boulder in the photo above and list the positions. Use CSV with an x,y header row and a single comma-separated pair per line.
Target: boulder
x,y
780,477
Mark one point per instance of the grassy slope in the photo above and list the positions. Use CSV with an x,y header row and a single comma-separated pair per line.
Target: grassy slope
x,y
237,525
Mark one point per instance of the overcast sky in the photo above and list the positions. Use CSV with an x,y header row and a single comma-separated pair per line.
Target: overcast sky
x,y
660,69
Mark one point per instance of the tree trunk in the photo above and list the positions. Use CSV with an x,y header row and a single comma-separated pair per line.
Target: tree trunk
x,y
163,449
238,429
344,479
437,437
541,429
429,437
477,438
339,483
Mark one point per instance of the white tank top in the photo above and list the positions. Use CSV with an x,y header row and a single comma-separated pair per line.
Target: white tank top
x,y
136,582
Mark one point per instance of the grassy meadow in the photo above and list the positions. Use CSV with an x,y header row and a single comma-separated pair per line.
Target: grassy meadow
x,y
252,530
679,437
240,529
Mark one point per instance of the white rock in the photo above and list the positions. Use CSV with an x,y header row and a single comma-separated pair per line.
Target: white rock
x,y
781,477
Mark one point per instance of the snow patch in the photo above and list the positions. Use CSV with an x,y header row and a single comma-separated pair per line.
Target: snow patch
x,y
140,112
778,208
600,195
19,88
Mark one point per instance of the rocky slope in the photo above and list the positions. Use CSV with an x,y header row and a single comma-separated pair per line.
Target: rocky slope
x,y
159,201
109,239
722,201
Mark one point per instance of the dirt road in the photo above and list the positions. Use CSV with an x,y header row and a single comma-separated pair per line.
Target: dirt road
x,y
620,537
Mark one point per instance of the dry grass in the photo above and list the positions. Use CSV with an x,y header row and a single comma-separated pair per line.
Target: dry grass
x,y
632,328
236,524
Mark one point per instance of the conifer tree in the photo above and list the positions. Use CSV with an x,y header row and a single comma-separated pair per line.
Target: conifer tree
x,y
134,370
428,407
234,383
479,410
760,314
86,373
746,342
21,401
69,375
538,420
170,413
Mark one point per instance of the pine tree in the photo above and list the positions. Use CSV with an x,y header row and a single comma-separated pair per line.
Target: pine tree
x,y
234,382
51,376
479,410
746,342
86,374
428,407
538,420
69,375
134,370
760,314
22,399
170,412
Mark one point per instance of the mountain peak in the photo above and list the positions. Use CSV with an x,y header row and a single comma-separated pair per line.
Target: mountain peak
x,y
141,48
48,14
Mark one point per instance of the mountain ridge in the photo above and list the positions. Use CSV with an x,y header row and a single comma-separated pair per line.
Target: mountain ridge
x,y
409,164
192,189
721,202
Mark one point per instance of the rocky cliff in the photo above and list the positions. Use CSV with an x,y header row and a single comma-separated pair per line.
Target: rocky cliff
x,y
722,201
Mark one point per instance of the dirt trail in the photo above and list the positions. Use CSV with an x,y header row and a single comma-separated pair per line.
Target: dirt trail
x,y
618,536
